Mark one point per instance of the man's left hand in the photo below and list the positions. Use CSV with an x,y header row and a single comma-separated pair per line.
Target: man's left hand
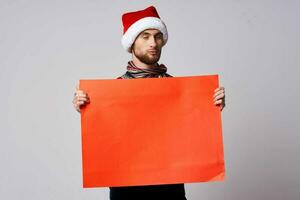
x,y
219,97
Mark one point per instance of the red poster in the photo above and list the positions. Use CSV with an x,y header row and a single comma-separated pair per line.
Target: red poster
x,y
151,131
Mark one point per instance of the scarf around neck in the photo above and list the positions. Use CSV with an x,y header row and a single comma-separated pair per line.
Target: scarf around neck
x,y
133,71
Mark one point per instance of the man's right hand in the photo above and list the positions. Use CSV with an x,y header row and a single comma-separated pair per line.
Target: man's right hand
x,y
80,99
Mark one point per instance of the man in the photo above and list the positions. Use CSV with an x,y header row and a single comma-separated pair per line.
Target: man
x,y
144,36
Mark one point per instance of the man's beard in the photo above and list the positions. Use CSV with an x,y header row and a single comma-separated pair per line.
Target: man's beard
x,y
144,58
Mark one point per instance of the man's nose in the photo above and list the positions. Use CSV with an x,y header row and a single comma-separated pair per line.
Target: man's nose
x,y
153,42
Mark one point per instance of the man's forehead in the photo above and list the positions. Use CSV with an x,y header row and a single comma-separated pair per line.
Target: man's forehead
x,y
151,31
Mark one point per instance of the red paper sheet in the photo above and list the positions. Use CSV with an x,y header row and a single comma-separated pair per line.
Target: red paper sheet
x,y
151,131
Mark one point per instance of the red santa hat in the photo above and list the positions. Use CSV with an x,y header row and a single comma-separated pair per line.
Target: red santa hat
x,y
136,22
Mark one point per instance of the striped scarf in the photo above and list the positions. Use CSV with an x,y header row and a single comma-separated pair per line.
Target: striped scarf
x,y
136,72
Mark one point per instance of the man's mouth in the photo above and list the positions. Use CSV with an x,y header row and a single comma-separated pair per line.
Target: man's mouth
x,y
153,51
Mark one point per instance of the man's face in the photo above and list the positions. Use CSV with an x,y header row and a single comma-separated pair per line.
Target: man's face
x,y
147,46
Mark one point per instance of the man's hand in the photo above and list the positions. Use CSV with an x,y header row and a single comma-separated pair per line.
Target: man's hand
x,y
219,97
80,99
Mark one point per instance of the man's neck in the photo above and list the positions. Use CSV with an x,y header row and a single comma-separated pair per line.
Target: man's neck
x,y
142,65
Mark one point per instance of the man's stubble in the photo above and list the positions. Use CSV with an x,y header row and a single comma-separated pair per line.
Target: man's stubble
x,y
145,58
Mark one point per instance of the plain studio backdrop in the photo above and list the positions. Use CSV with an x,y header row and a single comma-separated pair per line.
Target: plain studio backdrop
x,y
47,46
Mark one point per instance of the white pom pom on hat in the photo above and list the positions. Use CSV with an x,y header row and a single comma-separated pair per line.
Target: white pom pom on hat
x,y
136,22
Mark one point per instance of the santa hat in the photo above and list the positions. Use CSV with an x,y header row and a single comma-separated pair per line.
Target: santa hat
x,y
136,22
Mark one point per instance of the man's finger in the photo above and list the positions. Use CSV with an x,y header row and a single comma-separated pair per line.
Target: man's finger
x,y
83,99
81,95
218,102
218,93
79,103
219,88
80,92
220,96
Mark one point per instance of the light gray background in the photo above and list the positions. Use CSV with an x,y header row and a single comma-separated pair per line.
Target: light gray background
x,y
47,46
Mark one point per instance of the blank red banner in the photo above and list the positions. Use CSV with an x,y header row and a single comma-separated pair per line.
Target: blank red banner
x,y
151,131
